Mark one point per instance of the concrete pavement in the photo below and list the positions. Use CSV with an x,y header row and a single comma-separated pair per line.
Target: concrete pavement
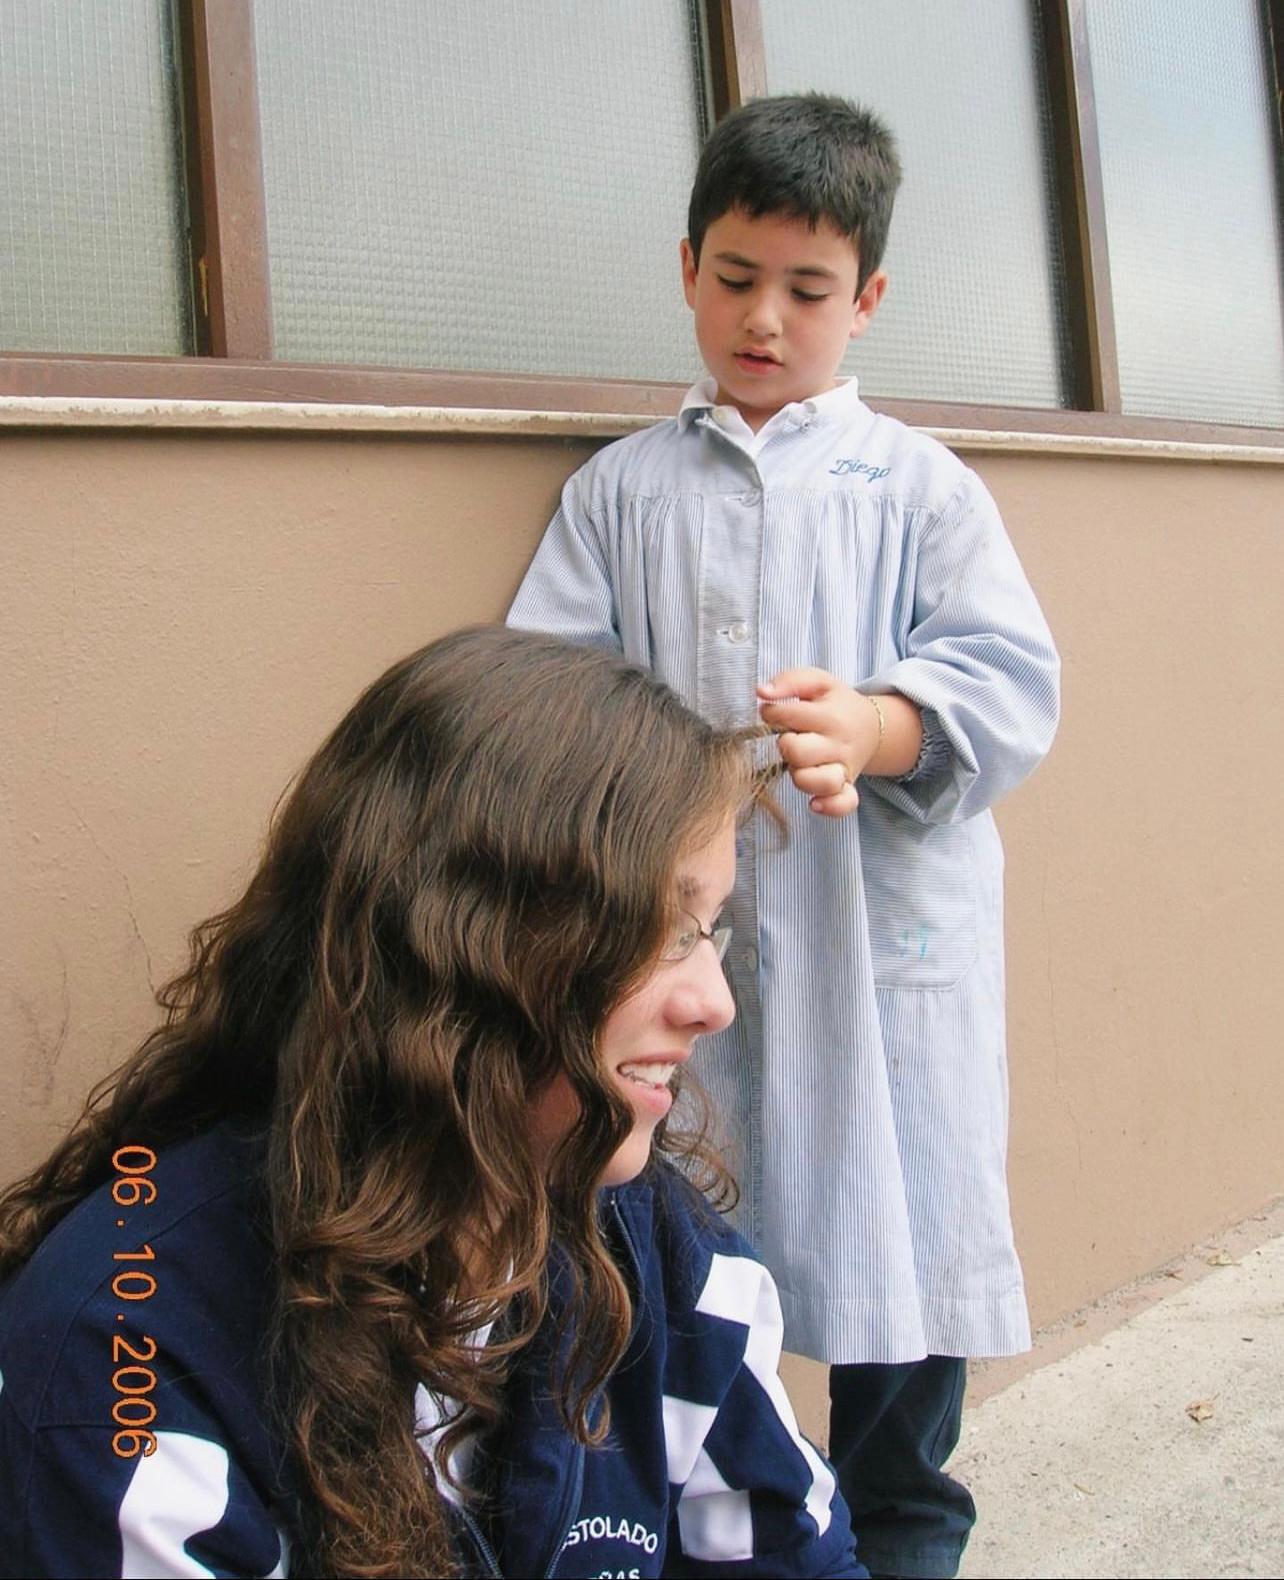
x,y
1156,1450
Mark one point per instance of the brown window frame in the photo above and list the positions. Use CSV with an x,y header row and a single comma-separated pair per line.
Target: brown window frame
x,y
231,291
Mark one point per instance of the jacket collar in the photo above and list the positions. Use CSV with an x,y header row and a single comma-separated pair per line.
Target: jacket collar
x,y
701,400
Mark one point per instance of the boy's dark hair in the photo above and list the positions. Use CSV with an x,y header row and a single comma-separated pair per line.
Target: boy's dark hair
x,y
810,155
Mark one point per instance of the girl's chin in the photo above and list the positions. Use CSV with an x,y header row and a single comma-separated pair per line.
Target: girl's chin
x,y
629,1159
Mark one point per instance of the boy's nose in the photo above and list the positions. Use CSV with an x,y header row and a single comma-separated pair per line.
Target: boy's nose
x,y
762,316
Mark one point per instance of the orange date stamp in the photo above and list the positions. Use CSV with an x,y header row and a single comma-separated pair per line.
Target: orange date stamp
x,y
133,1380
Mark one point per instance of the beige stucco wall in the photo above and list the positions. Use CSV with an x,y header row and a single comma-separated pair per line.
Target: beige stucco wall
x,y
182,617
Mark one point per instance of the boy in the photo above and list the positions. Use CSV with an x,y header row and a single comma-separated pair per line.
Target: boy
x,y
779,528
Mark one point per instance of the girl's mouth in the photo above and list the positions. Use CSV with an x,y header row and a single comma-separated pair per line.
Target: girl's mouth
x,y
649,1086
648,1074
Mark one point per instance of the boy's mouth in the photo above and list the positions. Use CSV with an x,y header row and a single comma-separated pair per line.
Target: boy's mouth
x,y
757,361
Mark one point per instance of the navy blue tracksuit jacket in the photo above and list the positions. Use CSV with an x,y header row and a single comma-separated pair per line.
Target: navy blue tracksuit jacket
x,y
704,1471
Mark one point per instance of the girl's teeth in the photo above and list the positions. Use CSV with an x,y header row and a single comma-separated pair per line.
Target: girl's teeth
x,y
648,1075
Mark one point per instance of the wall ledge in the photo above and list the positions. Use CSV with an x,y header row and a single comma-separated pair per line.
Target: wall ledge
x,y
224,416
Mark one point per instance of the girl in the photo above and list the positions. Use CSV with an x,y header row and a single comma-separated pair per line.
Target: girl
x,y
370,1261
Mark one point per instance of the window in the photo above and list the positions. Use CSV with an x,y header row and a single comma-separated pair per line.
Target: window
x,y
974,308
1189,155
92,228
419,222
478,204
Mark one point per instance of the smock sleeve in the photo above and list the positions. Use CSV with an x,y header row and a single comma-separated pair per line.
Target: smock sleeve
x,y
749,1494
979,661
567,588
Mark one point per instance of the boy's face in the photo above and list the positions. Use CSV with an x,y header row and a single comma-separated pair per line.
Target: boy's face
x,y
775,304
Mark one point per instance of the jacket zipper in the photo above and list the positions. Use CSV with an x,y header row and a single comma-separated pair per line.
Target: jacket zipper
x,y
629,1246
480,1542
577,1484
570,1509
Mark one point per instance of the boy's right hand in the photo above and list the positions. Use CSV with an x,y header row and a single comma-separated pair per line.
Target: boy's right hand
x,y
830,734
828,731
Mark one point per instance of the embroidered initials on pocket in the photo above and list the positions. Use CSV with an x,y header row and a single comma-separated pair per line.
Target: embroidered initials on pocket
x,y
920,897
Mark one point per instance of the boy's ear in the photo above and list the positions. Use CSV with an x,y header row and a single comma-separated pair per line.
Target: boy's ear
x,y
866,304
688,271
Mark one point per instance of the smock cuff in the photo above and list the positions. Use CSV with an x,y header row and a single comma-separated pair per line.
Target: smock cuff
x,y
934,754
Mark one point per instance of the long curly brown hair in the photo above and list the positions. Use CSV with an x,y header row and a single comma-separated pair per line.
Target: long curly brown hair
x,y
467,877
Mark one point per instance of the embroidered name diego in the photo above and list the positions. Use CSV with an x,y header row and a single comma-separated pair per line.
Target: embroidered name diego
x,y
849,466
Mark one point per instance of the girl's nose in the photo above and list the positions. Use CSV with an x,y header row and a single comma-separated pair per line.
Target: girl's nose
x,y
702,998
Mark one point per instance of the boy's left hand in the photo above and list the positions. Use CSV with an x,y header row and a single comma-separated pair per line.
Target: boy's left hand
x,y
828,733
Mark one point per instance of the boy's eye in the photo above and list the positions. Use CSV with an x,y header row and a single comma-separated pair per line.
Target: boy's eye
x,y
810,296
734,285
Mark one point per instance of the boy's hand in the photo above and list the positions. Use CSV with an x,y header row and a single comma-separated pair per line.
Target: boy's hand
x,y
828,733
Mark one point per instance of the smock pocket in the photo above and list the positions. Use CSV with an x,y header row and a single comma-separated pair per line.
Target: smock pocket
x,y
920,897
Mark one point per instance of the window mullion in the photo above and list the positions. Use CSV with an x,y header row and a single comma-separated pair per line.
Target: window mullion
x,y
1274,11
1081,206
231,291
1273,19
737,58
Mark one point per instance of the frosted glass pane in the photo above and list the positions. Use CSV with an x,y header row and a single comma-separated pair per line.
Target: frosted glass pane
x,y
487,185
1188,159
974,308
92,224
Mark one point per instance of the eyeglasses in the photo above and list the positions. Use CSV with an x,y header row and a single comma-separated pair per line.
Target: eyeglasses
x,y
688,933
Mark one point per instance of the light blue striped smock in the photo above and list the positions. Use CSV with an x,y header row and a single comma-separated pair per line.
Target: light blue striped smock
x,y
864,1080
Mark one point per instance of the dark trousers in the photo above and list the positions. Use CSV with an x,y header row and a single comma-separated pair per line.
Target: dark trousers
x,y
891,1428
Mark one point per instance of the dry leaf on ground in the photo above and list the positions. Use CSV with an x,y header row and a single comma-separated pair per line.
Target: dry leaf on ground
x,y
1199,1409
1221,1258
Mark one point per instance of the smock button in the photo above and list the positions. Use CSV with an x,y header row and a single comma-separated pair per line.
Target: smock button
x,y
750,958
737,631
